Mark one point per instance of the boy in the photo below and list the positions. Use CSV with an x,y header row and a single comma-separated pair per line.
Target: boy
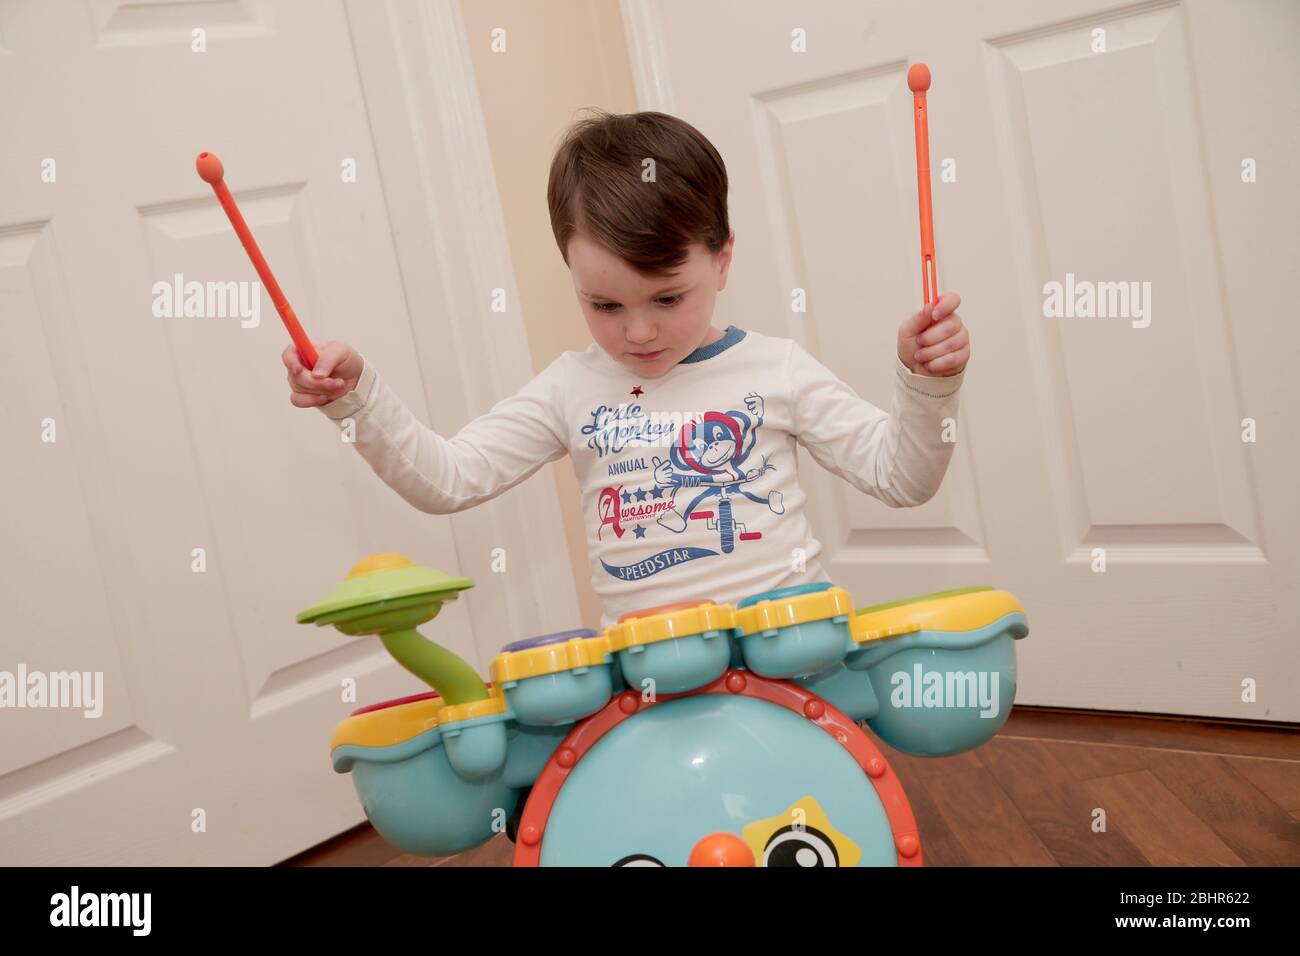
x,y
682,435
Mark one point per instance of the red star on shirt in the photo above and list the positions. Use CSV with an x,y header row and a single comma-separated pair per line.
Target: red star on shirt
x,y
637,391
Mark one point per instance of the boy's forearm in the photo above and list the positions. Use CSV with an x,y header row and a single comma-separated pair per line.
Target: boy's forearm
x,y
440,475
411,458
914,458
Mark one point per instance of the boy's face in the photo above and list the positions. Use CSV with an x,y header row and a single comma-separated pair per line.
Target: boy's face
x,y
648,325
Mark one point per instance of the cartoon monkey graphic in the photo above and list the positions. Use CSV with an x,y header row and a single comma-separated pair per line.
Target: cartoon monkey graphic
x,y
710,453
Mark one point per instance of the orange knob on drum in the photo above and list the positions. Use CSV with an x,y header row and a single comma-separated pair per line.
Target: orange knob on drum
x,y
721,849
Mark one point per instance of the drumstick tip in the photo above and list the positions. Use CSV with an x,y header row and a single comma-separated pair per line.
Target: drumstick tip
x,y
918,78
209,167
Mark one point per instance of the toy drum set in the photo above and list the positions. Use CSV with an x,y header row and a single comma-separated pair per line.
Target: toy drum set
x,y
695,733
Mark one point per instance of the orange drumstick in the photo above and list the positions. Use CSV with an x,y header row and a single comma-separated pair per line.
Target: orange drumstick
x,y
918,81
211,171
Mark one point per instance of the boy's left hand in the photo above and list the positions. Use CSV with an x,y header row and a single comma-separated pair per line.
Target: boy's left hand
x,y
934,342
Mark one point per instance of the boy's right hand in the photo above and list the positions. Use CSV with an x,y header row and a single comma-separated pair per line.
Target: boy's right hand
x,y
336,373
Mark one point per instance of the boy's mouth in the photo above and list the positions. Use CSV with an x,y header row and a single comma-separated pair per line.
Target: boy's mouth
x,y
647,356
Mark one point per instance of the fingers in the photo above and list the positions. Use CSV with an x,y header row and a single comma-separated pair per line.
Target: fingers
x,y
315,387
946,305
917,323
943,329
942,343
305,400
949,363
950,343
329,356
305,381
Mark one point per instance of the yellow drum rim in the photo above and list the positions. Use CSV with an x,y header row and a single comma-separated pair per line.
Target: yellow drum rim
x,y
549,659
490,706
687,622
389,726
796,609
959,612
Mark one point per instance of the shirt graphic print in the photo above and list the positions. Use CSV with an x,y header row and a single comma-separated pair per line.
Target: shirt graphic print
x,y
710,473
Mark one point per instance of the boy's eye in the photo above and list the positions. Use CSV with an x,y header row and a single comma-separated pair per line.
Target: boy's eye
x,y
667,301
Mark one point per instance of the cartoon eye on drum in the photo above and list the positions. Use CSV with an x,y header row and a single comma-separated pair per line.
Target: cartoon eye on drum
x,y
697,734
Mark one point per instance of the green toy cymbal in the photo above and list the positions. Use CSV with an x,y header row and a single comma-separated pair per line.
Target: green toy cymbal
x,y
387,595
384,577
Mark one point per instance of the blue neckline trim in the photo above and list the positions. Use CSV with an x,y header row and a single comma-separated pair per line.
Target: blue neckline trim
x,y
729,338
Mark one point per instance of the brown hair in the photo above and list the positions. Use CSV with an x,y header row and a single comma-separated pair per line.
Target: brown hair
x,y
595,187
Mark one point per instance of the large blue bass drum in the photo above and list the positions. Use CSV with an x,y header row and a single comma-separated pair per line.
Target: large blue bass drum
x,y
643,783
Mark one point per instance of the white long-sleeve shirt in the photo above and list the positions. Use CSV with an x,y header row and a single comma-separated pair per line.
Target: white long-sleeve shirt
x,y
689,482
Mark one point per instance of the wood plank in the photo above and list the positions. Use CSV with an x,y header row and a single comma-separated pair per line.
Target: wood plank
x,y
1087,760
1278,779
1049,798
1156,821
986,822
1257,829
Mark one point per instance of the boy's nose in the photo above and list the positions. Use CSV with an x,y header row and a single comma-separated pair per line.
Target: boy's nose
x,y
639,333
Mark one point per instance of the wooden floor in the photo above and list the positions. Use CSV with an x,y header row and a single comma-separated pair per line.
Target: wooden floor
x,y
1176,792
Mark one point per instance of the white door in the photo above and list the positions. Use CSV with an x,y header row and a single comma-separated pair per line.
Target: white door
x,y
172,435
1103,142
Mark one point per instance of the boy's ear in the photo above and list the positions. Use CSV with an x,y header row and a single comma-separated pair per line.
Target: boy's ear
x,y
724,260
